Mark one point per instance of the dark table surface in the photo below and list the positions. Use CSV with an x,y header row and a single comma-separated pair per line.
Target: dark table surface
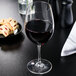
x,y
17,51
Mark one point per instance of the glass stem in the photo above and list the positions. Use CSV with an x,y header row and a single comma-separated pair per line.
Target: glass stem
x,y
39,53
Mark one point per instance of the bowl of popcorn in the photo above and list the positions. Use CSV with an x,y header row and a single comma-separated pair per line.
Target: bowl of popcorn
x,y
9,27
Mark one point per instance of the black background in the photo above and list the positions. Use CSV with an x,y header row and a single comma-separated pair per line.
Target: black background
x,y
16,52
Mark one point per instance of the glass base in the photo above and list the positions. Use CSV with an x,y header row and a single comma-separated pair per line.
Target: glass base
x,y
42,67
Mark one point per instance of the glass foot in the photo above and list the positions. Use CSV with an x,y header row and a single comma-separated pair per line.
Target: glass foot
x,y
42,67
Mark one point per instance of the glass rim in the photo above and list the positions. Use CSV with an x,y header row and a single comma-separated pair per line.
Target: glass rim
x,y
40,1
37,2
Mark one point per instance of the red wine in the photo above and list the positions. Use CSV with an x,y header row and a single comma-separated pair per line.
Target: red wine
x,y
39,31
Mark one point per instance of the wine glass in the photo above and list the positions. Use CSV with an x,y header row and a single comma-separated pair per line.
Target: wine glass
x,y
39,28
